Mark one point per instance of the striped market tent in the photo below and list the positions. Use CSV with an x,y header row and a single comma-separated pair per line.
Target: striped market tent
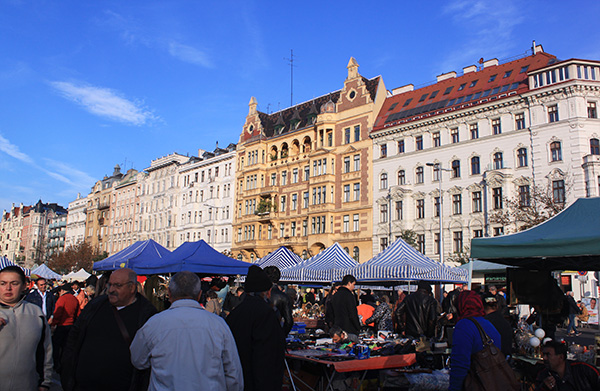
x,y
4,262
402,262
283,258
327,266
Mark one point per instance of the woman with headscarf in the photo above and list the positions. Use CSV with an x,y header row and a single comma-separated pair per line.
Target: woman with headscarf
x,y
466,339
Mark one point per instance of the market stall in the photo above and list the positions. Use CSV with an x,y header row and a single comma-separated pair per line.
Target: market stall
x,y
141,251
46,272
324,268
283,258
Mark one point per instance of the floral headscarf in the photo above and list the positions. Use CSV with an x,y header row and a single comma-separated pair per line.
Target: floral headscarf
x,y
469,305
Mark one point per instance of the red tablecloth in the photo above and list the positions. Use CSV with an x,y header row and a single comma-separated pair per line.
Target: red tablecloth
x,y
373,363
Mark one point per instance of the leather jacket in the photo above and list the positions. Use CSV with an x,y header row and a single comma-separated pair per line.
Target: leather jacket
x,y
578,376
418,314
284,304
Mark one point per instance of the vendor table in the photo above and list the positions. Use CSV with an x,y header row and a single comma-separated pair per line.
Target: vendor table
x,y
331,368
311,323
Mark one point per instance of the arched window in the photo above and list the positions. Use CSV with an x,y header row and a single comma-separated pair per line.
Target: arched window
x,y
522,157
401,177
239,257
347,250
419,174
304,255
383,184
555,151
355,254
498,164
456,169
475,166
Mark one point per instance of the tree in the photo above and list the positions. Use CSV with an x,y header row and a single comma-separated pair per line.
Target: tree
x,y
461,257
529,209
410,237
81,255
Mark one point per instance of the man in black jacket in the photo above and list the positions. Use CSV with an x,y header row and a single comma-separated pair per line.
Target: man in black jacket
x,y
258,336
96,356
41,297
343,304
493,314
561,374
419,312
280,300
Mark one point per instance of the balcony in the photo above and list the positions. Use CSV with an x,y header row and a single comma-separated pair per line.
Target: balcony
x,y
326,178
268,190
103,205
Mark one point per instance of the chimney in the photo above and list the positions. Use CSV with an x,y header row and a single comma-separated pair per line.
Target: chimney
x,y
469,69
489,63
403,89
446,76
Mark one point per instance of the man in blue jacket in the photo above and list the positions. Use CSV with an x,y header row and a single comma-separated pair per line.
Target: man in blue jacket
x,y
41,297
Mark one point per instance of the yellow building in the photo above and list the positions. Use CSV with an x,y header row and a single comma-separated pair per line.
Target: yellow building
x,y
303,178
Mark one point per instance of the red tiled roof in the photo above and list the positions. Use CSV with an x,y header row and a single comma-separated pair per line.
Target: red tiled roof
x,y
470,89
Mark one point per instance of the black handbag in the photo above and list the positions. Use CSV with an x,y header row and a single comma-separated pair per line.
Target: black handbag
x,y
489,369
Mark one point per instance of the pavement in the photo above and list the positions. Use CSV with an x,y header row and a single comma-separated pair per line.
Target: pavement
x,y
587,337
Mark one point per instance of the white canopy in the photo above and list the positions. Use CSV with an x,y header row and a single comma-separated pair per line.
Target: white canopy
x,y
80,275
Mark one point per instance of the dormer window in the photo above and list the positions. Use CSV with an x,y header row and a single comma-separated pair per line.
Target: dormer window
x,y
462,87
492,78
507,74
423,97
524,69
448,90
473,83
407,102
434,94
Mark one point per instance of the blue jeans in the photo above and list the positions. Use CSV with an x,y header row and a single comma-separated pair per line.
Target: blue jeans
x,y
571,325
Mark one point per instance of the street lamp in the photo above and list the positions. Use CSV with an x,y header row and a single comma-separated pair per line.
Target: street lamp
x,y
438,166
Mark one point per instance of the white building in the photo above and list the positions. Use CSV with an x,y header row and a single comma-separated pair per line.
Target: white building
x,y
11,232
124,205
497,131
206,199
76,221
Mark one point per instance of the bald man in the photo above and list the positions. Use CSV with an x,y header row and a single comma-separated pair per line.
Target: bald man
x,y
97,353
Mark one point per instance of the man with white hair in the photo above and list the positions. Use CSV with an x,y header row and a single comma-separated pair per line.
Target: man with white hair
x,y
187,347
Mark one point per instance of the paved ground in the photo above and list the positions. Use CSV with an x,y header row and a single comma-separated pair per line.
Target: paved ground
x,y
587,337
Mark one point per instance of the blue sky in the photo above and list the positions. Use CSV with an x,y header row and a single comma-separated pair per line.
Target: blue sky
x,y
85,85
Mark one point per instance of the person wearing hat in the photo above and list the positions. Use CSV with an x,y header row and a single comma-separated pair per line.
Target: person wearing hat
x,y
66,311
419,312
258,335
493,314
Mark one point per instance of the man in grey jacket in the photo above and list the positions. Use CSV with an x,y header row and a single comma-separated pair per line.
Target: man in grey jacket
x,y
25,342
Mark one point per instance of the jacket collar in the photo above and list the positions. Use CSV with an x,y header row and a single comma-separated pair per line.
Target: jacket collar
x,y
185,303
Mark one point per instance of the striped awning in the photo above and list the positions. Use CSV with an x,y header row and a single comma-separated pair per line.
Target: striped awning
x,y
283,258
4,262
327,266
402,262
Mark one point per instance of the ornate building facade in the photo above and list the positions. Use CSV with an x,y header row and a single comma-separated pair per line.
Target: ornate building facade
x,y
455,151
124,205
76,221
303,176
11,230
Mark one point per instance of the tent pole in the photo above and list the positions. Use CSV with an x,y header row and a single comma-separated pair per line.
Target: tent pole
x,y
470,272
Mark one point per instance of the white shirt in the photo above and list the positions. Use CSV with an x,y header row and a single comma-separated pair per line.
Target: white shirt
x,y
188,348
44,295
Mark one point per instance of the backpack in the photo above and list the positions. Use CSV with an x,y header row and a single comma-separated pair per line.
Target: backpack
x,y
489,369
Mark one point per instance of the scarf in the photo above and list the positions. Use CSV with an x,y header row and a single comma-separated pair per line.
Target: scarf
x,y
469,305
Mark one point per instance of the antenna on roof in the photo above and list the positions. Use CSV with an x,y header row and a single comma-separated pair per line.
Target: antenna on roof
x,y
291,61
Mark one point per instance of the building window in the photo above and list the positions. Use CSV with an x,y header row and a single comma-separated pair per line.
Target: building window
x,y
496,127
555,151
497,197
356,223
420,209
478,233
401,177
595,146
383,183
522,157
284,178
437,141
436,173
357,191
346,226
421,243
474,129
475,167
420,175
498,164
553,113
294,201
347,136
383,213
401,146
304,227
295,175
282,203
457,238
356,254
436,243
454,135
591,109
346,164
383,243
477,204
520,121
398,210
524,196
305,200
419,143
558,191
457,204
498,231
293,228
357,133
383,150
356,162
436,206
346,193
456,169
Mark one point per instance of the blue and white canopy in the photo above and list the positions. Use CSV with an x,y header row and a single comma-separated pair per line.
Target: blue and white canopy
x,y
46,272
147,250
327,266
282,258
4,262
401,262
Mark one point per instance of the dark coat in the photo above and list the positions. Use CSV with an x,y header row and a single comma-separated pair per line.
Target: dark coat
x,y
260,343
284,305
505,330
78,335
34,297
345,314
419,313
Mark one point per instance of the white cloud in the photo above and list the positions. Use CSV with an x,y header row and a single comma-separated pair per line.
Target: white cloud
x,y
12,150
67,174
189,54
104,102
488,30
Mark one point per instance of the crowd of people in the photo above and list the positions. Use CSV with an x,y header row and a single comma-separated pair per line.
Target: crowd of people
x,y
107,335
